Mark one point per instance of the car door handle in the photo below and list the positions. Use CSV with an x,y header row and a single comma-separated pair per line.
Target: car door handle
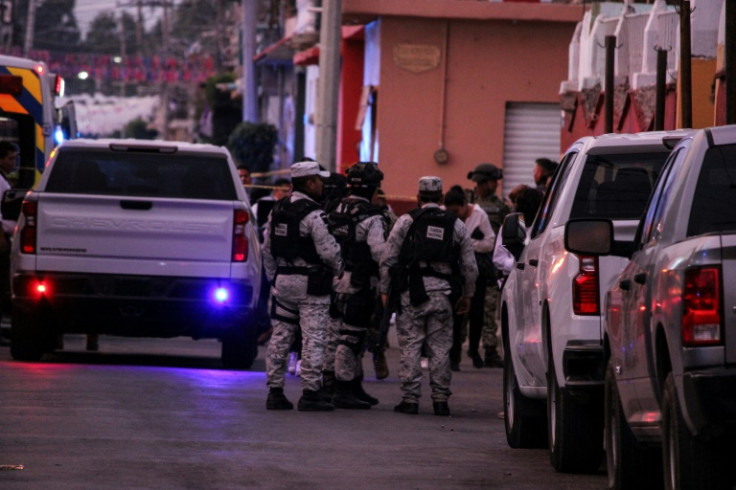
x,y
640,278
533,262
625,284
520,266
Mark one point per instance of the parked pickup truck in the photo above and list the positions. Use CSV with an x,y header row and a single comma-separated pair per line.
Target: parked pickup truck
x,y
550,304
670,325
136,238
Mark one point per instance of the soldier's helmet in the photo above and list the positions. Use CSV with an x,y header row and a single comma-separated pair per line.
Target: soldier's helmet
x,y
485,171
364,175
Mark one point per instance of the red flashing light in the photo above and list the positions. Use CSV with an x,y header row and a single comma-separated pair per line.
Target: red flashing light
x,y
585,290
240,242
702,323
58,85
40,69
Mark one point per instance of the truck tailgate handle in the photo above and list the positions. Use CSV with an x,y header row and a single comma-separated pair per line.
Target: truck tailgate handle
x,y
138,205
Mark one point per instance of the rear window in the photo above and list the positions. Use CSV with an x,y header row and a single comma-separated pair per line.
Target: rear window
x,y
617,186
140,174
714,202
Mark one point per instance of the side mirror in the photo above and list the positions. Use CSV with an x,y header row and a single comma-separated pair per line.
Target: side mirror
x,y
513,234
589,236
11,203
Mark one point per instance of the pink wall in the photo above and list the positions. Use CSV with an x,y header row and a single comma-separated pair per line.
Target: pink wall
x,y
489,63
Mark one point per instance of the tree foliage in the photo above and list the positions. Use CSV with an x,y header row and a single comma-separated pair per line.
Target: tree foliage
x,y
253,145
56,27
138,129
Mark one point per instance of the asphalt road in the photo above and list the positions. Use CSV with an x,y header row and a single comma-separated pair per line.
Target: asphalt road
x,y
163,414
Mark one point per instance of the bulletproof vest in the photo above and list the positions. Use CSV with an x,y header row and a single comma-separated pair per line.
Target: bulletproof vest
x,y
432,233
284,232
343,222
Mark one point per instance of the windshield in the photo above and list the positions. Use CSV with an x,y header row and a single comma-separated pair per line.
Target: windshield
x,y
137,174
617,186
714,202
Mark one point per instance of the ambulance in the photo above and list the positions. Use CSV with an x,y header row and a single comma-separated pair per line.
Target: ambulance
x,y
29,117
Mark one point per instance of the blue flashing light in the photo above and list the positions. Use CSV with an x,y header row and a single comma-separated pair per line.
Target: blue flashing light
x,y
221,295
59,136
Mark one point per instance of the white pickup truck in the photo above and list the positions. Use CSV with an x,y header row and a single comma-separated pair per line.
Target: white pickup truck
x,y
670,325
550,304
136,238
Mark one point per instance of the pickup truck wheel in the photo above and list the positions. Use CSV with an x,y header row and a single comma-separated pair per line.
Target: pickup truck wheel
x,y
27,342
523,417
239,350
689,462
630,464
575,429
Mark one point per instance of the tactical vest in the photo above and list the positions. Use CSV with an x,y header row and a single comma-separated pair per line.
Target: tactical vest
x,y
432,233
344,221
284,232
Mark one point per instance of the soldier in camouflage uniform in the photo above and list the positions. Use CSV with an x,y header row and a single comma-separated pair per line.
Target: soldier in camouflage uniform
x,y
300,257
486,177
427,255
359,228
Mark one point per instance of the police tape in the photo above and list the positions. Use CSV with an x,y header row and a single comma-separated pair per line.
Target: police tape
x,y
392,197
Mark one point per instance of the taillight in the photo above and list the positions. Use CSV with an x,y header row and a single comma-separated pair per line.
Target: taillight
x,y
40,289
240,242
28,233
585,287
701,307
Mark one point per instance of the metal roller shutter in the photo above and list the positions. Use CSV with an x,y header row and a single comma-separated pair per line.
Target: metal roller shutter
x,y
532,130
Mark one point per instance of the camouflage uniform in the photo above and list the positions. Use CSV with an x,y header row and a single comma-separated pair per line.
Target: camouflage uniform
x,y
352,337
293,308
431,321
497,211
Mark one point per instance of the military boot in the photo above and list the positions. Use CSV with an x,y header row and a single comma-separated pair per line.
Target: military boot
x,y
360,394
277,401
492,359
311,401
328,385
345,397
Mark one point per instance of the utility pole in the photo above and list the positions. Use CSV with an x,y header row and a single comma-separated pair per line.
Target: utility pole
x,y
250,99
123,50
164,84
30,27
730,61
608,108
328,86
686,83
139,28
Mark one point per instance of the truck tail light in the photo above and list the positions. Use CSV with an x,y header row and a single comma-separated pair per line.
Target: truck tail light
x,y
701,307
29,210
585,287
240,242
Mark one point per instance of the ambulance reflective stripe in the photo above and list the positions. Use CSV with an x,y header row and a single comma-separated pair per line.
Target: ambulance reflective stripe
x,y
30,102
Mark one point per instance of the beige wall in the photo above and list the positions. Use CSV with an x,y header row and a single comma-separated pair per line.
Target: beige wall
x,y
488,63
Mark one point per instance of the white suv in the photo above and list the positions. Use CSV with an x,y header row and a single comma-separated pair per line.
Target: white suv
x,y
551,302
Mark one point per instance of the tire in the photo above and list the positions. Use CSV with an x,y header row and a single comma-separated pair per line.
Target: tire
x,y
239,350
523,417
631,465
689,462
575,427
27,342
